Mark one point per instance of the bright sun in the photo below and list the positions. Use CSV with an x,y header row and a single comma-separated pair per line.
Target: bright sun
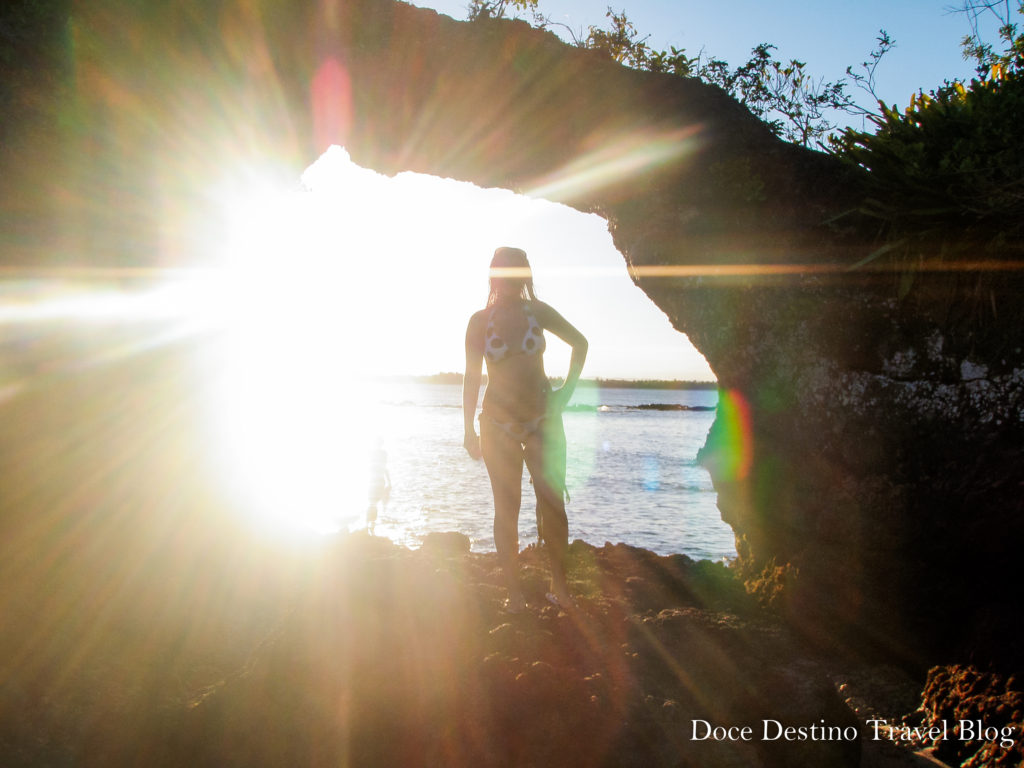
x,y
320,289
290,402
350,275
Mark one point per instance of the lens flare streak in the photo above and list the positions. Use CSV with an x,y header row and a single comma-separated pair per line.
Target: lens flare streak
x,y
617,161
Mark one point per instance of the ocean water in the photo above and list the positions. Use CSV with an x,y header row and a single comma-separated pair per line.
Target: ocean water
x,y
632,473
289,440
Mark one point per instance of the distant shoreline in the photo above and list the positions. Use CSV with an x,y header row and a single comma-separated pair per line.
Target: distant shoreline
x,y
456,378
649,384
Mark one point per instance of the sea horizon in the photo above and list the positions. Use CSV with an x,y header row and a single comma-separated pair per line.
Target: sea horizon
x,y
455,377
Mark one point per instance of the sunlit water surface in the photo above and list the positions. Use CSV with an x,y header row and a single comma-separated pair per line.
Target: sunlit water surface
x,y
632,473
290,438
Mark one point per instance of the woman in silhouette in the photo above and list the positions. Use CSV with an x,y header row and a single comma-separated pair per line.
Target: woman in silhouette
x,y
521,419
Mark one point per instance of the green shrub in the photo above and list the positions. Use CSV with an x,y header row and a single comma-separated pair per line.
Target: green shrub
x,y
953,159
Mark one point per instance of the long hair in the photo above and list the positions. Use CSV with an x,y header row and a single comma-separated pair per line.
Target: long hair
x,y
510,275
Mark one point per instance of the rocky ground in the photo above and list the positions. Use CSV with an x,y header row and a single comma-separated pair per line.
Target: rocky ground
x,y
378,655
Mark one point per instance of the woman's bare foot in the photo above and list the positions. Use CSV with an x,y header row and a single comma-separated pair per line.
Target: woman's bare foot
x,y
558,586
559,593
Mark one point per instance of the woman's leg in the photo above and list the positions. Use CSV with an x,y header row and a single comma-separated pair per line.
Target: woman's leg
x,y
503,458
545,458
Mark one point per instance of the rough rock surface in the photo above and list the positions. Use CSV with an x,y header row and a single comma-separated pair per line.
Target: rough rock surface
x,y
411,655
381,656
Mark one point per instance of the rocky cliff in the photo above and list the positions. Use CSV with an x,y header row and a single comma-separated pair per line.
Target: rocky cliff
x,y
867,452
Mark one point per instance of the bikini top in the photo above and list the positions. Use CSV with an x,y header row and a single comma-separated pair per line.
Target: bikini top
x,y
495,347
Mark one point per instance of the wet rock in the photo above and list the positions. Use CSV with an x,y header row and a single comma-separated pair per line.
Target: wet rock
x,y
446,543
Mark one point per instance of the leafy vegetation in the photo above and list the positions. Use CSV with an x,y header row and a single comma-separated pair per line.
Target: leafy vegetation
x,y
952,161
974,46
784,95
496,9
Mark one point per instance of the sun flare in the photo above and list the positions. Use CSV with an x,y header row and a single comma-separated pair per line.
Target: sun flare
x,y
290,404
323,284
321,288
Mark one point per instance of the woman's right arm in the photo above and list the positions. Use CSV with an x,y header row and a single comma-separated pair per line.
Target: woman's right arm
x,y
471,383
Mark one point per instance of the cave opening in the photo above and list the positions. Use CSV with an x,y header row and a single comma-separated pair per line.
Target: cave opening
x,y
378,285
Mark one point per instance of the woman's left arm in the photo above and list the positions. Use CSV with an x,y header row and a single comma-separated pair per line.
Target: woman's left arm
x,y
550,320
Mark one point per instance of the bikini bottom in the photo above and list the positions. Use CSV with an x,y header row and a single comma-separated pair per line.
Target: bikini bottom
x,y
519,431
554,443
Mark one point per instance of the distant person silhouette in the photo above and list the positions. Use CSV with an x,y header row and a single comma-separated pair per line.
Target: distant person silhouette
x,y
521,418
380,485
